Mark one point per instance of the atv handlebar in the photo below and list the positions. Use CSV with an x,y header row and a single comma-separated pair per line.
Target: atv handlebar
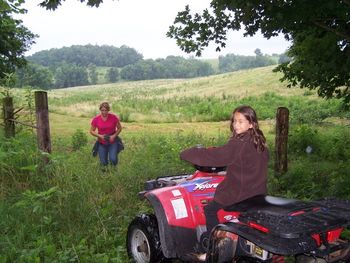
x,y
208,169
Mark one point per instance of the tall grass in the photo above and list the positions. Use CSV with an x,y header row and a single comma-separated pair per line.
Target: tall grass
x,y
72,212
213,109
321,171
77,213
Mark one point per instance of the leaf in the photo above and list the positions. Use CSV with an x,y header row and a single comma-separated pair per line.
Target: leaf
x,y
31,168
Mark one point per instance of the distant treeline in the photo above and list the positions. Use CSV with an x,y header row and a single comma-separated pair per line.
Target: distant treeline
x,y
84,56
91,64
232,62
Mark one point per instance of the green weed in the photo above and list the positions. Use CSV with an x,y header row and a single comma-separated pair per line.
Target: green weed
x,y
78,213
79,140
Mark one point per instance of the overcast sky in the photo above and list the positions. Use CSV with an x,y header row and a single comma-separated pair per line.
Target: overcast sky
x,y
139,24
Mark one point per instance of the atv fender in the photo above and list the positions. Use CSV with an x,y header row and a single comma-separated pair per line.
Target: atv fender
x,y
275,244
175,241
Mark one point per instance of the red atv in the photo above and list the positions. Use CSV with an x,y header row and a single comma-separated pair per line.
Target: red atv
x,y
260,229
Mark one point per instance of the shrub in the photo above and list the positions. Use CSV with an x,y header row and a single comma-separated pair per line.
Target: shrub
x,y
79,140
301,137
335,144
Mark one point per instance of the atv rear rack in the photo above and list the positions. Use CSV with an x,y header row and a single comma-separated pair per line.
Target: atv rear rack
x,y
306,219
297,226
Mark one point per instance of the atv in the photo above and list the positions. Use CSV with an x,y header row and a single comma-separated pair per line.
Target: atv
x,y
259,229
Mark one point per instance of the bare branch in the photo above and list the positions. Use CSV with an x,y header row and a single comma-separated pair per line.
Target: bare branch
x,y
25,124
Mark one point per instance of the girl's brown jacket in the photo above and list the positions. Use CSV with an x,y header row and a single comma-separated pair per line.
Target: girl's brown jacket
x,y
246,168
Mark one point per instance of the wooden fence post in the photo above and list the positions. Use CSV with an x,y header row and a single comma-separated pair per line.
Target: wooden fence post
x,y
281,141
8,116
42,120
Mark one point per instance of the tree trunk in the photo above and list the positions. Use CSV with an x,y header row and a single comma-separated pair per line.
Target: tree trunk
x,y
281,141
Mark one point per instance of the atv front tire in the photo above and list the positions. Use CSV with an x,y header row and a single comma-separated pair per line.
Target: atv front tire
x,y
143,243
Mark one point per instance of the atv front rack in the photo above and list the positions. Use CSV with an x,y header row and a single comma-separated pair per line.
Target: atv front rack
x,y
163,181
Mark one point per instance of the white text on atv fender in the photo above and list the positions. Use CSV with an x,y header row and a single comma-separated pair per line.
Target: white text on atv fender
x,y
205,185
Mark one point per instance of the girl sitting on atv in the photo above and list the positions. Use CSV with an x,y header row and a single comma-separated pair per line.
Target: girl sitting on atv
x,y
246,157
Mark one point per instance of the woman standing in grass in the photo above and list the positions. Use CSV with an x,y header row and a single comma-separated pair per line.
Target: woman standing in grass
x,y
108,128
246,157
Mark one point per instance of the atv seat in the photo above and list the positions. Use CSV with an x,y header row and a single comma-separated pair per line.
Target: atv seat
x,y
269,204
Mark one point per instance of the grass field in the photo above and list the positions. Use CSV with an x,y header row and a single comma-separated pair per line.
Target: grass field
x,y
84,101
73,108
71,211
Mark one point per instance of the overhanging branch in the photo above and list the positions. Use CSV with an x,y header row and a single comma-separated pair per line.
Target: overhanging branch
x,y
330,29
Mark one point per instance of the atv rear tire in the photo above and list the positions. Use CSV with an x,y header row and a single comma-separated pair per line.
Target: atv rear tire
x,y
143,243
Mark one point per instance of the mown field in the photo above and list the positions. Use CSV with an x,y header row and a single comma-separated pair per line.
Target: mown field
x,y
69,211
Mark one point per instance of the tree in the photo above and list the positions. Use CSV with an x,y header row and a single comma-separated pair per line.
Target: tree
x,y
34,75
284,58
170,67
318,30
100,56
69,75
93,74
258,52
15,39
53,4
112,74
232,62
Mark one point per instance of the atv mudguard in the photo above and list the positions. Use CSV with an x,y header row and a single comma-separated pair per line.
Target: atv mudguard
x,y
274,244
175,241
178,204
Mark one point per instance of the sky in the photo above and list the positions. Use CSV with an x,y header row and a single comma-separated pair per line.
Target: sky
x,y
138,24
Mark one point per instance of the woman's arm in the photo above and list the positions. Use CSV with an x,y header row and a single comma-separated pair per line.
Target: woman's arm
x,y
118,129
93,132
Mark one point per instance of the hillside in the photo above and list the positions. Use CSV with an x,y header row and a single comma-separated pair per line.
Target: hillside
x,y
84,101
180,101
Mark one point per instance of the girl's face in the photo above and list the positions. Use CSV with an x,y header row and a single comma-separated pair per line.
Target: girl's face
x,y
240,123
104,112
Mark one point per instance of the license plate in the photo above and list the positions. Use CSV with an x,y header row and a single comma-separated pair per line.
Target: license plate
x,y
257,251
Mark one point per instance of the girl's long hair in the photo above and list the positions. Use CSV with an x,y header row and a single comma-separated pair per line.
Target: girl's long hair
x,y
249,113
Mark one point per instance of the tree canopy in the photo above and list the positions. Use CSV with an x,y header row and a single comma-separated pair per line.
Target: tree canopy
x,y
15,39
54,4
84,55
319,32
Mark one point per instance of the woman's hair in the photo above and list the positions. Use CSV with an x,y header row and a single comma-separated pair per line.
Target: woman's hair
x,y
258,136
105,105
